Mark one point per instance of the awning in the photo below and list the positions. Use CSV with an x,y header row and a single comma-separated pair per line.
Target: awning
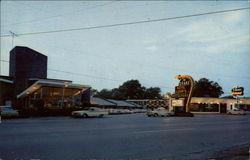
x,y
42,82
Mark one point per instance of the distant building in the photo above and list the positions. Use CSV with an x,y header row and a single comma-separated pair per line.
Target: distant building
x,y
218,105
113,104
150,103
198,104
214,105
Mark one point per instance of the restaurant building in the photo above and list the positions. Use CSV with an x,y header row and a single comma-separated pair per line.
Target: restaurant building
x,y
28,85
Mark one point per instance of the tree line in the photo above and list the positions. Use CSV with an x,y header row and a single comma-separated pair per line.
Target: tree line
x,y
132,89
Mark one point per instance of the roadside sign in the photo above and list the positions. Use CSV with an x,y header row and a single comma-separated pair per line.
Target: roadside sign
x,y
183,90
237,91
177,102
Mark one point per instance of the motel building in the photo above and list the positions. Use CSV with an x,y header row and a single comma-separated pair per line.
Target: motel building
x,y
150,103
214,105
197,105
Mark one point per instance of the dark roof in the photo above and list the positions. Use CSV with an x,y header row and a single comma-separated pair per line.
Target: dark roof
x,y
101,101
122,103
50,79
6,77
25,49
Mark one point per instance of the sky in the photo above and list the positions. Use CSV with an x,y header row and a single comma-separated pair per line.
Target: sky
x,y
214,46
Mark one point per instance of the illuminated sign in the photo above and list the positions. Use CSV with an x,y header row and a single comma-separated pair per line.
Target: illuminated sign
x,y
237,91
177,102
183,90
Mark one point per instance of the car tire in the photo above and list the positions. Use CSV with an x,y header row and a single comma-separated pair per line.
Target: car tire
x,y
101,115
156,115
84,115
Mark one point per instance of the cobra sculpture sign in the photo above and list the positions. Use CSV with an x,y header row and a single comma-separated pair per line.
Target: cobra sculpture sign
x,y
184,89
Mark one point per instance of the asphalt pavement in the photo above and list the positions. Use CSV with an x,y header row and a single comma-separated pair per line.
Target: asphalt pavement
x,y
132,136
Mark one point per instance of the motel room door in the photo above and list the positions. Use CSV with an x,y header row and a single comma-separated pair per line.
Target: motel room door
x,y
223,108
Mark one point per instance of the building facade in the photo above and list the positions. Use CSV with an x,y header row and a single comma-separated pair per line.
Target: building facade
x,y
150,103
26,63
27,85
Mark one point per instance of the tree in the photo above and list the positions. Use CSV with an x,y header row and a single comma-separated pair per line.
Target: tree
x,y
206,88
117,94
131,89
105,93
152,92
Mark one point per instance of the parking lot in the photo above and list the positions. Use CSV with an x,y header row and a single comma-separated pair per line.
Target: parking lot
x,y
131,136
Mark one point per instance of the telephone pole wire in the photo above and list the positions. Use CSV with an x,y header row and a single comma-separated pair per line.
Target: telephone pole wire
x,y
13,35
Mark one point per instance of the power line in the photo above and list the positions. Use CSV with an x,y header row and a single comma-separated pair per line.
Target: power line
x,y
157,66
56,16
128,23
88,75
97,77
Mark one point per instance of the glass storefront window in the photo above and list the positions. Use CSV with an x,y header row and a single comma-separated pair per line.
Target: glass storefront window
x,y
54,97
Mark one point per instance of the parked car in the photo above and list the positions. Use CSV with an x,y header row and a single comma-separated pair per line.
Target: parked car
x,y
8,112
91,112
236,111
118,111
159,112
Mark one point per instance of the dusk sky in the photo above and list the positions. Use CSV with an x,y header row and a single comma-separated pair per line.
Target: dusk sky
x,y
214,46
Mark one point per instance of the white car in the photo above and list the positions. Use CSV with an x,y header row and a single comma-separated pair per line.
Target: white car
x,y
8,112
91,112
159,112
236,111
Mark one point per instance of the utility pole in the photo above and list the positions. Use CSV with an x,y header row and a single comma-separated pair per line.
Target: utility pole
x,y
13,35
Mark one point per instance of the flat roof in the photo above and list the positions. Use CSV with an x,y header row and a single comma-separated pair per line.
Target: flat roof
x,y
6,80
50,79
51,83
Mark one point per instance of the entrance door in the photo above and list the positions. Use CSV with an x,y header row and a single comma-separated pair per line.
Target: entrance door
x,y
223,108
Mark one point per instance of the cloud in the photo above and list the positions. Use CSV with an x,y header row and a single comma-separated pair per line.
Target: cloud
x,y
216,34
149,41
152,48
214,28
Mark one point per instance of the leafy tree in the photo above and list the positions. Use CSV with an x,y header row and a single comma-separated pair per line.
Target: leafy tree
x,y
131,89
117,94
105,93
206,88
152,92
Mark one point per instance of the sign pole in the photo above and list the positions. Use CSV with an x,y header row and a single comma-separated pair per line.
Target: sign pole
x,y
190,93
184,90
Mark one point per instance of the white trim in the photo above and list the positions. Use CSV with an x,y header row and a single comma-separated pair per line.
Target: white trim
x,y
48,82
7,81
26,90
54,80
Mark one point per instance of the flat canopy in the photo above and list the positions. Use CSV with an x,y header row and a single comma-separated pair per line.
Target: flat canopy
x,y
6,80
51,83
